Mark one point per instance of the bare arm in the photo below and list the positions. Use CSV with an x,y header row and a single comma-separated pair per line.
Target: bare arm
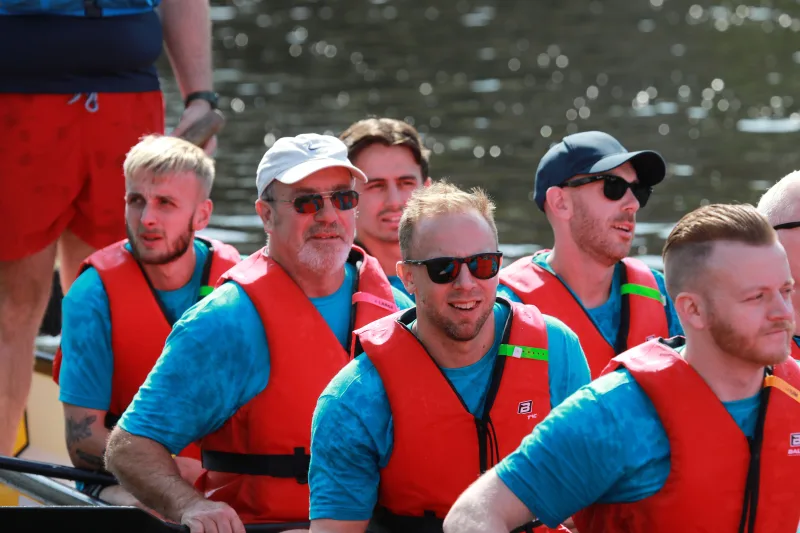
x,y
86,436
187,35
148,471
339,526
487,506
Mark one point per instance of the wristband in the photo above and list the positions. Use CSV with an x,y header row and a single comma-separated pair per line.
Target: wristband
x,y
209,96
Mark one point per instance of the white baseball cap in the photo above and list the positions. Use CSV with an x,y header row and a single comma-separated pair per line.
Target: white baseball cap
x,y
292,159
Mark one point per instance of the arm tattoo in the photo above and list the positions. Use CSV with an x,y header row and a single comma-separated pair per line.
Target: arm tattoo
x,y
77,431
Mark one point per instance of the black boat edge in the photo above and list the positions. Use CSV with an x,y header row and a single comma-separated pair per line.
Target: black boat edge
x,y
105,519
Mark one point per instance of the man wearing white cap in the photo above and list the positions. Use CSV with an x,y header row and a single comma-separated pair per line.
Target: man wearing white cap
x,y
241,371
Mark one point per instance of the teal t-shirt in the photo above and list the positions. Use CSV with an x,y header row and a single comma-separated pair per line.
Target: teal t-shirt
x,y
87,362
604,444
216,360
606,317
352,431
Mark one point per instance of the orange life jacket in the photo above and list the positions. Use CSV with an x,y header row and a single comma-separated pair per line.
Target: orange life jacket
x,y
440,448
139,324
257,462
709,454
643,313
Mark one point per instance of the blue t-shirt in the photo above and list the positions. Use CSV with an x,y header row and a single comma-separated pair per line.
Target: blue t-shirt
x,y
604,444
352,431
216,360
87,363
606,317
397,283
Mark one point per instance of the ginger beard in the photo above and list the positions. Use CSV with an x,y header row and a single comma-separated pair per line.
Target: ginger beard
x,y
763,347
599,240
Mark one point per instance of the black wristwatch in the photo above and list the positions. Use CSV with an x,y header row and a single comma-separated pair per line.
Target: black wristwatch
x,y
209,96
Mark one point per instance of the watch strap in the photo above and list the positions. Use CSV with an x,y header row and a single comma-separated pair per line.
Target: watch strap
x,y
209,96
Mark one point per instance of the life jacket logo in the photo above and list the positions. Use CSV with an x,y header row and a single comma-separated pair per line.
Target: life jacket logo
x,y
794,440
525,407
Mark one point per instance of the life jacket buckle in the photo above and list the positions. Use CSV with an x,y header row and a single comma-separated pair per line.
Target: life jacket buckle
x,y
301,463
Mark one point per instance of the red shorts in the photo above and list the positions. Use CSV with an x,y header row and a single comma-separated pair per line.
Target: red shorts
x,y
61,165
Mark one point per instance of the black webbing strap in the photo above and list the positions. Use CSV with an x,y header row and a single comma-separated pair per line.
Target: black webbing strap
x,y
284,466
621,342
385,521
750,505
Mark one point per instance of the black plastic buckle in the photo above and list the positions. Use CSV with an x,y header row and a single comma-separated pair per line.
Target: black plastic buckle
x,y
301,464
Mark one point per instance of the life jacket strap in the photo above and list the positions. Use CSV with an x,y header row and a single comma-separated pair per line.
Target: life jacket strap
x,y
274,465
111,420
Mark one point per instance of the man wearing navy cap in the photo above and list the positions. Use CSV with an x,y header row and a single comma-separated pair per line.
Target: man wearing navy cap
x,y
590,188
242,370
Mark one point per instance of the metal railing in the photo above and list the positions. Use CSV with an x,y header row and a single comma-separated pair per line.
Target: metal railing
x,y
45,490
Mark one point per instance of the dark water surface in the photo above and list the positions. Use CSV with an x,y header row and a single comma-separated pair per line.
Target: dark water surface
x,y
491,84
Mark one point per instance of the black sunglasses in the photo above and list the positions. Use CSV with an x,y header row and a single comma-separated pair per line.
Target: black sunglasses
x,y
308,204
787,225
446,269
614,187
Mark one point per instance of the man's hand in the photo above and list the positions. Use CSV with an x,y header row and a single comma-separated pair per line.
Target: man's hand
x,y
194,112
206,516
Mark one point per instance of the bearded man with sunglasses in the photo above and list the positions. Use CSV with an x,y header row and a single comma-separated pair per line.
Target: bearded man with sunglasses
x,y
439,393
590,188
242,371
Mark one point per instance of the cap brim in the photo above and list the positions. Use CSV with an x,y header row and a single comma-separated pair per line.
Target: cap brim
x,y
650,166
306,168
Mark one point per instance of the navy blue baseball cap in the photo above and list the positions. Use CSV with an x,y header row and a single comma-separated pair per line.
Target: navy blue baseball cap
x,y
592,152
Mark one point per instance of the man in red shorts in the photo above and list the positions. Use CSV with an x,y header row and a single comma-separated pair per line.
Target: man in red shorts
x,y
77,91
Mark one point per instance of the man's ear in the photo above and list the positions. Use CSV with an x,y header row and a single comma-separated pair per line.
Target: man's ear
x,y
427,182
202,215
266,213
692,310
558,203
405,275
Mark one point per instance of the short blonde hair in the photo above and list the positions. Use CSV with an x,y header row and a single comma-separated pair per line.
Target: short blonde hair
x,y
692,240
438,199
163,154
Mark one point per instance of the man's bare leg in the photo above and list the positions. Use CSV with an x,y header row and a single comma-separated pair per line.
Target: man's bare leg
x,y
25,286
71,252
